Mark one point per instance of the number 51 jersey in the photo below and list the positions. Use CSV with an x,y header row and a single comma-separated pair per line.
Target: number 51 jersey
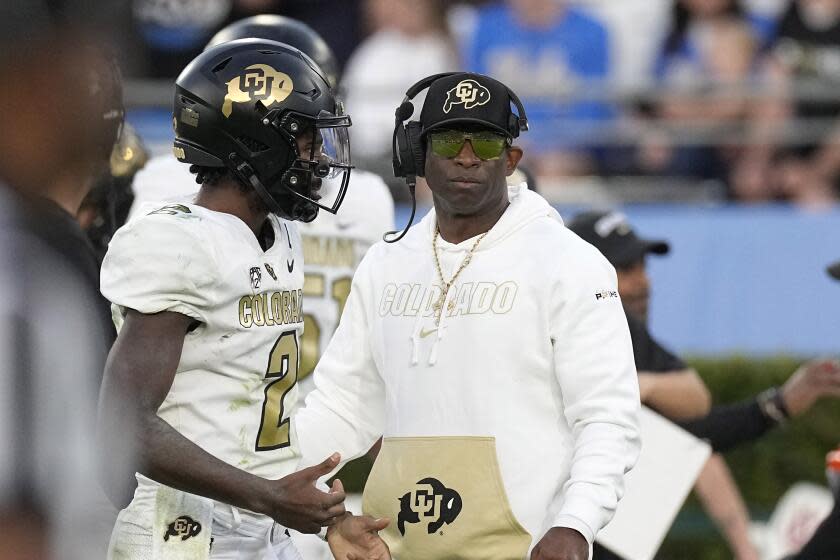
x,y
235,386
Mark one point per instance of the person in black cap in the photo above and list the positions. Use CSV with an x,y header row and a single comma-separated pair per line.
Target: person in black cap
x,y
677,392
501,377
682,394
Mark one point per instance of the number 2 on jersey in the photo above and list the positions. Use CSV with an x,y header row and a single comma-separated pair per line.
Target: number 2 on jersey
x,y
283,364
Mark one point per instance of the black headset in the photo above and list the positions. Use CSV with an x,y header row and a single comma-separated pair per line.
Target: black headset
x,y
409,151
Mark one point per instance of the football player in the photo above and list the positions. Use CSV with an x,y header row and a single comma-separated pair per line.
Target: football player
x,y
333,245
207,299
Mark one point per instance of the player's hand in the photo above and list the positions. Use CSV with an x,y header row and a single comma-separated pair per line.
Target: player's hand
x,y
561,543
355,537
295,502
813,380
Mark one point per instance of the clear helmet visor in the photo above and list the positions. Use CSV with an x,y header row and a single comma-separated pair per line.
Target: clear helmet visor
x,y
327,156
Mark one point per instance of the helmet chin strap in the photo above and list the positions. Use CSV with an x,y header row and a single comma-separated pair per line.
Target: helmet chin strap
x,y
302,212
246,172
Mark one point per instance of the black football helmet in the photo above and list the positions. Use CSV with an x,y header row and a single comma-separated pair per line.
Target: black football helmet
x,y
283,30
265,111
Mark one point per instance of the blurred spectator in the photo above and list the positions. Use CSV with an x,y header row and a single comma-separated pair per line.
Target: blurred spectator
x,y
636,29
51,347
172,32
410,41
554,55
797,157
169,33
707,61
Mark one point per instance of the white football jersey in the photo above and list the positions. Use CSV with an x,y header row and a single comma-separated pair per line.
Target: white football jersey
x,y
162,178
333,244
235,386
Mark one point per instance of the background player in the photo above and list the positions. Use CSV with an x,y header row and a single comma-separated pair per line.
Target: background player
x,y
208,303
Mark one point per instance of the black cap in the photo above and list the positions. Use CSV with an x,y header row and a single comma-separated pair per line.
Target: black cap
x,y
466,98
610,233
834,270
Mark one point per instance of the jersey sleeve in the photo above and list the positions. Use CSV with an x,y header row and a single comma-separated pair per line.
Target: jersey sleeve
x,y
594,367
346,410
159,263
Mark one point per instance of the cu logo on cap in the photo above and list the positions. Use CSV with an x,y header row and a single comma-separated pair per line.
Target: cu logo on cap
x,y
430,501
468,93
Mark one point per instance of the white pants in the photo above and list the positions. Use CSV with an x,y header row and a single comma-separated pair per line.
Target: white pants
x,y
130,542
233,535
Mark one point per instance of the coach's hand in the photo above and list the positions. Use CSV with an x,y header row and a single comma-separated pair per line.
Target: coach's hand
x,y
295,502
561,543
356,537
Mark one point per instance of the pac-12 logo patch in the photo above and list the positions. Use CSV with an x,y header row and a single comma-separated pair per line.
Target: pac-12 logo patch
x,y
256,277
468,93
184,527
260,82
429,502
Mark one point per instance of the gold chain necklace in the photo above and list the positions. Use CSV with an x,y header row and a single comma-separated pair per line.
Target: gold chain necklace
x,y
438,307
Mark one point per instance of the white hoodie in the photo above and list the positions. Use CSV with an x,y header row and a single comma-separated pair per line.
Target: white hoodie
x,y
516,414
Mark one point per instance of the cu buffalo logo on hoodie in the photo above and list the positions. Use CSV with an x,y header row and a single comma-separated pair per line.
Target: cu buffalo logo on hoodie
x,y
429,502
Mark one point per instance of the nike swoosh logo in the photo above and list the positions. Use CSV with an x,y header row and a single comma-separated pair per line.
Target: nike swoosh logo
x,y
424,333
290,265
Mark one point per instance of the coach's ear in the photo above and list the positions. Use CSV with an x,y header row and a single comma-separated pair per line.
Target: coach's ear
x,y
512,156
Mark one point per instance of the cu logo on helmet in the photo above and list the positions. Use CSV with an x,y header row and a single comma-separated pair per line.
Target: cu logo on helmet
x,y
429,502
468,93
260,82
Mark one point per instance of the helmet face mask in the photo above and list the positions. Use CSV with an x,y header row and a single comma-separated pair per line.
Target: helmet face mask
x,y
255,107
322,151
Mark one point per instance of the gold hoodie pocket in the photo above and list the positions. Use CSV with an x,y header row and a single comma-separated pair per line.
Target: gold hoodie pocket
x,y
445,499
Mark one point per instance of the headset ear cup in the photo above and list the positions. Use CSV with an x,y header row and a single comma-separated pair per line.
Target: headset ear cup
x,y
415,144
403,160
513,125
